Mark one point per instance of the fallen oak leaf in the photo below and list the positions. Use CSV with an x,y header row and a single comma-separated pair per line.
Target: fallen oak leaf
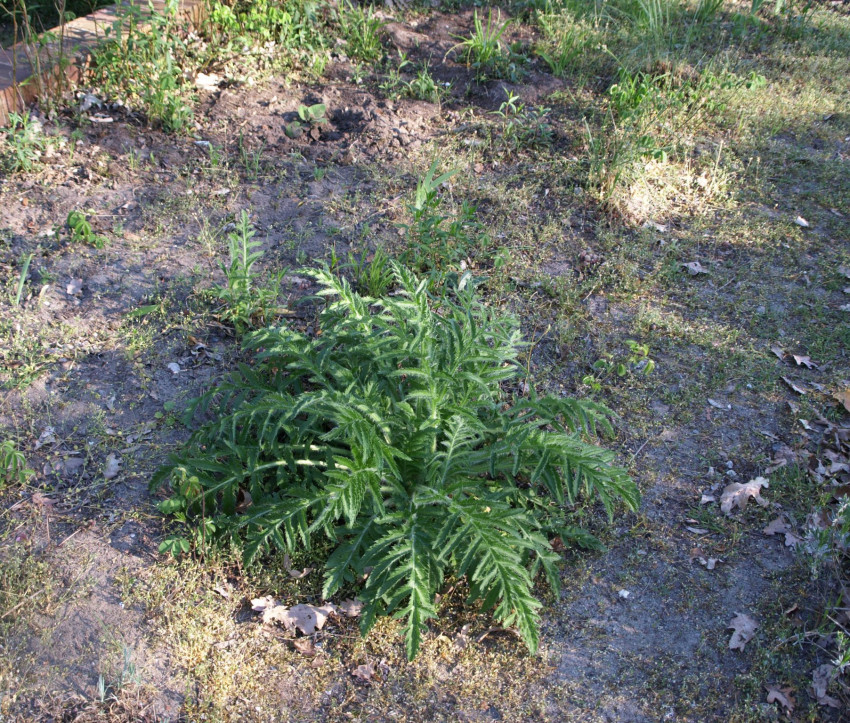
x,y
822,676
306,618
777,527
737,495
744,628
781,696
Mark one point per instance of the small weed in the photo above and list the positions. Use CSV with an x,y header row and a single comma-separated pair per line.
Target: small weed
x,y
250,159
636,362
13,465
436,241
22,279
361,31
310,116
372,277
24,143
246,302
525,127
486,52
80,230
424,87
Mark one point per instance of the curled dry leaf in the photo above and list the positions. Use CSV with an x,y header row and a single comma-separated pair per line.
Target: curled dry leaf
x,y
304,646
804,361
801,222
744,628
709,563
351,608
306,618
779,351
174,367
112,467
297,574
694,268
781,696
737,495
48,436
821,678
364,672
461,640
843,397
74,287
796,386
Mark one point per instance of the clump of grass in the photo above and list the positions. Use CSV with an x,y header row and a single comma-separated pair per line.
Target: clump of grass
x,y
361,30
485,50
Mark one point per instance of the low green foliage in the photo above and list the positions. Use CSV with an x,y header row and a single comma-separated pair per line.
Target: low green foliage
x,y
145,65
361,30
13,465
422,86
436,240
80,230
393,432
247,302
309,115
23,143
486,52
637,361
372,277
525,127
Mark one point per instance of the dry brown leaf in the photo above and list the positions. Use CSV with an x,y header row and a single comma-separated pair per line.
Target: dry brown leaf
x,y
779,351
364,672
804,361
777,527
297,574
791,540
843,397
39,500
306,618
737,495
304,646
112,467
695,268
781,696
821,678
351,608
797,387
744,628
224,589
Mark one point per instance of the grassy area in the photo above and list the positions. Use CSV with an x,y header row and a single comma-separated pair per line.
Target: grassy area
x,y
657,191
